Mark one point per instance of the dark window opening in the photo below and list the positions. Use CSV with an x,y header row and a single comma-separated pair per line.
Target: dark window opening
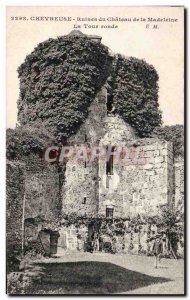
x,y
85,140
110,107
109,212
84,200
109,163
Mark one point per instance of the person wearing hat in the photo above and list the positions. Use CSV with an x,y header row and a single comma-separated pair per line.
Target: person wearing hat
x,y
157,250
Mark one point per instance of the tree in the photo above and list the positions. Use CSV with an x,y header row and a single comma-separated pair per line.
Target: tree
x,y
174,134
169,222
24,141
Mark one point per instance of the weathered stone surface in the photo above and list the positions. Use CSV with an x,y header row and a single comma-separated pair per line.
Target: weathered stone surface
x,y
148,166
42,191
179,183
80,191
140,184
159,159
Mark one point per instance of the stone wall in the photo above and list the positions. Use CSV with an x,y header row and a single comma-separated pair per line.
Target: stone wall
x,y
142,185
38,185
92,130
139,186
179,198
117,131
179,183
80,191
42,189
72,238
43,203
147,180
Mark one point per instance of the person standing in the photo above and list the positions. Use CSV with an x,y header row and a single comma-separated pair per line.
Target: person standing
x,y
86,245
96,242
157,250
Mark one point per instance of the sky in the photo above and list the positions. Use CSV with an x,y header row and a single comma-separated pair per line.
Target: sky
x,y
161,46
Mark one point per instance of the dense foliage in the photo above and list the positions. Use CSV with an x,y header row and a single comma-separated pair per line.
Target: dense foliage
x,y
171,222
25,140
58,81
78,220
168,223
27,143
14,207
174,134
135,94
60,78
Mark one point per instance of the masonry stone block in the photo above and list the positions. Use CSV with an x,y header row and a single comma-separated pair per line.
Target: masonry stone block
x,y
151,147
156,153
159,159
148,166
148,154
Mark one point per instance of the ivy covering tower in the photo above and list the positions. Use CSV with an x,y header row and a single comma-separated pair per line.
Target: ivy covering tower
x,y
61,77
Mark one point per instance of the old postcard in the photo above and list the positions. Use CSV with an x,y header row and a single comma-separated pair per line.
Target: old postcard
x,y
95,150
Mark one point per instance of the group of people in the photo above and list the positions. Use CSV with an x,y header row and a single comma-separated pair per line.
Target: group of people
x,y
92,244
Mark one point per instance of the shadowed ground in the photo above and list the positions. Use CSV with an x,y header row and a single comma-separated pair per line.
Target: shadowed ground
x,y
104,273
92,277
